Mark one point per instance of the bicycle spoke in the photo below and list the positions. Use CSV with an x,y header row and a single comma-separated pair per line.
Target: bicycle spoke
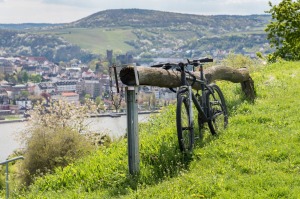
x,y
217,110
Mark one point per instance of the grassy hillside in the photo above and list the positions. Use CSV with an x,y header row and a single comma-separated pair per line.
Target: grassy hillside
x,y
98,40
257,157
145,33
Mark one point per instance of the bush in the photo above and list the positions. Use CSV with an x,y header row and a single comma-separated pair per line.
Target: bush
x,y
238,61
2,177
49,148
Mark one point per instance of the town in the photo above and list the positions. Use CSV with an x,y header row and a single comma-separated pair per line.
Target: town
x,y
26,80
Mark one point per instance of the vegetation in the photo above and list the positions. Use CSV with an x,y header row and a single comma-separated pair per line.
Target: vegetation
x,y
54,137
22,77
256,157
283,31
239,61
54,48
144,33
98,40
50,148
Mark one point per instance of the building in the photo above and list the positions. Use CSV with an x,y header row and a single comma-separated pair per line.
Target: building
x,y
71,97
6,67
109,56
91,87
4,99
45,87
17,90
89,74
66,86
125,59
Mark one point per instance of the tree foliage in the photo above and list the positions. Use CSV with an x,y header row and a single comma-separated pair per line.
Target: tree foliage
x,y
284,30
61,114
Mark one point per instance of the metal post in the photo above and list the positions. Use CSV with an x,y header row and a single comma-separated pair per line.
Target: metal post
x,y
6,172
6,180
132,130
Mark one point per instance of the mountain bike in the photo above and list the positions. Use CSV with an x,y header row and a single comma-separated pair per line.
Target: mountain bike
x,y
210,103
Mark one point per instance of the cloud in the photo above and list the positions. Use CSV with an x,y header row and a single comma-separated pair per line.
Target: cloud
x,y
182,6
74,3
61,11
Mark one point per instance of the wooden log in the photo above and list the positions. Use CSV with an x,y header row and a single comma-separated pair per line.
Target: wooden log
x,y
171,78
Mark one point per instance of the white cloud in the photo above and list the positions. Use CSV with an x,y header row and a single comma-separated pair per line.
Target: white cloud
x,y
60,11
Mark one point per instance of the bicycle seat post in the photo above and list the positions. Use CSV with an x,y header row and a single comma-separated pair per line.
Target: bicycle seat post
x,y
201,76
183,77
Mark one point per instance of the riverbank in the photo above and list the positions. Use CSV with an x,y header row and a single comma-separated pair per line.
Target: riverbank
x,y
114,127
13,121
121,114
5,121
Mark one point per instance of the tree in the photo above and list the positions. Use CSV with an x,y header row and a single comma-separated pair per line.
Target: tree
x,y
100,104
35,78
116,102
54,137
284,30
2,76
25,77
24,94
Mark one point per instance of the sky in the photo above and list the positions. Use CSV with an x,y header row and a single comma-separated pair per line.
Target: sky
x,y
65,11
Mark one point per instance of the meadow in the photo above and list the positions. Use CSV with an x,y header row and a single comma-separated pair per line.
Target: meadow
x,y
98,40
258,156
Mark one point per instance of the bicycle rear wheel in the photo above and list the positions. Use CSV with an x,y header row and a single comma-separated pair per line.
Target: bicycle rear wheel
x,y
185,130
217,110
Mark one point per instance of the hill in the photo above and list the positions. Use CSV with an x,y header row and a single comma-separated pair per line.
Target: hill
x,y
258,156
150,18
149,34
173,34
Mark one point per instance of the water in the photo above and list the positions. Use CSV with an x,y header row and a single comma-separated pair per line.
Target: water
x,y
115,127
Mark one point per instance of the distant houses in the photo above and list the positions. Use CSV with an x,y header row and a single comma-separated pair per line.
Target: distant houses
x,y
71,82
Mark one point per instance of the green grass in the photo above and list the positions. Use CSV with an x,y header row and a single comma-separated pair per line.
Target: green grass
x,y
258,156
98,40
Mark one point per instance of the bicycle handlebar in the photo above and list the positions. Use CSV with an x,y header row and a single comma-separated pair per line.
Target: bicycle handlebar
x,y
195,62
204,60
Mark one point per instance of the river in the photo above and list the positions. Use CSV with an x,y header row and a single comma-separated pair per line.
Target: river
x,y
115,127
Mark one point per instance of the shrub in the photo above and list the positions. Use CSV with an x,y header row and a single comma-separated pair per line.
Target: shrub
x,y
49,148
238,61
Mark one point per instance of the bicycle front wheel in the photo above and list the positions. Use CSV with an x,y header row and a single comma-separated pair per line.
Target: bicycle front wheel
x,y
217,110
185,130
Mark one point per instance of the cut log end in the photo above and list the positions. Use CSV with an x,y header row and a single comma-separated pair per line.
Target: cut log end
x,y
248,89
127,76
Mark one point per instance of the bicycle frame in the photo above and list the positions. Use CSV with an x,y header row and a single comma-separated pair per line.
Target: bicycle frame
x,y
202,108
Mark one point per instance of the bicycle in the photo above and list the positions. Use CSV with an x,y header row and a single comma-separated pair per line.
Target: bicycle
x,y
210,104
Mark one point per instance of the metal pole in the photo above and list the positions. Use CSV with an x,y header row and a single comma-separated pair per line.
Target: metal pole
x,y
6,172
132,130
6,180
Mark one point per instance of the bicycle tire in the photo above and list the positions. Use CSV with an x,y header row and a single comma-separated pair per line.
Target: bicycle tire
x,y
217,110
185,130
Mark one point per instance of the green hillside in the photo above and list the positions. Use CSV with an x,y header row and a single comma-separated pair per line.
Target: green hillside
x,y
257,157
98,40
147,34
